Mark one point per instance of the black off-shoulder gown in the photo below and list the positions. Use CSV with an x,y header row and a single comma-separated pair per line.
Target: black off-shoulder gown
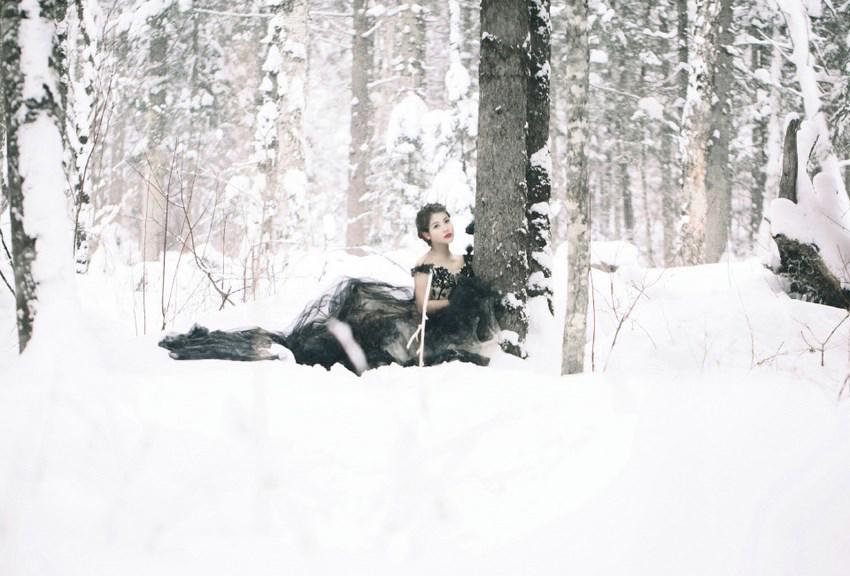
x,y
382,318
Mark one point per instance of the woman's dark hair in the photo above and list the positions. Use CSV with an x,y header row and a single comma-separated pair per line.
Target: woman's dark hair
x,y
423,218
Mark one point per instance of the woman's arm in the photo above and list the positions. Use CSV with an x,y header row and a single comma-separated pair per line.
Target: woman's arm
x,y
420,285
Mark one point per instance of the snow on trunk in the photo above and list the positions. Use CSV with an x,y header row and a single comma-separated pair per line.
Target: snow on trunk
x,y
42,239
821,215
539,171
85,107
501,225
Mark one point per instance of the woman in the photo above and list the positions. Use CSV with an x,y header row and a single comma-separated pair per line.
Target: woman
x,y
383,319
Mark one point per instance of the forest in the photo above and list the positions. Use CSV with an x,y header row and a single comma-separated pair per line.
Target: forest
x,y
656,194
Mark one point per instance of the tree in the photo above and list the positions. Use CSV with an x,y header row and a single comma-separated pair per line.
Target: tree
x,y
696,129
36,176
362,128
501,197
578,213
86,105
718,175
539,170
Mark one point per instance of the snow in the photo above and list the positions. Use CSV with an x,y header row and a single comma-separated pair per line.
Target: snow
x,y
708,425
651,107
598,56
406,119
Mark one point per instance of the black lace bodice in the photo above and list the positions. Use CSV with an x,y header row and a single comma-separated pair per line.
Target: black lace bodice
x,y
444,281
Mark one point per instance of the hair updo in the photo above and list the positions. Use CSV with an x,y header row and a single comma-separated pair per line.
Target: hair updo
x,y
423,218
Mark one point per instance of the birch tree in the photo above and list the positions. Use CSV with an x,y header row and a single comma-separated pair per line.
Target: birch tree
x,y
578,213
85,114
501,226
41,241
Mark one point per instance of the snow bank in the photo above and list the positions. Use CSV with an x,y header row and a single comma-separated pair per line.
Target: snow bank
x,y
709,441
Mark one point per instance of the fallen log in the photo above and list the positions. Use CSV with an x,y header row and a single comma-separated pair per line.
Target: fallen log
x,y
809,277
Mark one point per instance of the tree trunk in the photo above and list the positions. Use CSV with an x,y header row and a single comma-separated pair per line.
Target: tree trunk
x,y
696,129
86,106
683,39
578,213
501,196
410,47
361,126
669,206
718,172
760,60
624,135
539,169
154,162
296,211
41,240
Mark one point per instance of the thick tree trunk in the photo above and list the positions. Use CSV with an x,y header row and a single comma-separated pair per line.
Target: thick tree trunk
x,y
718,172
41,241
539,170
359,149
578,201
696,129
501,225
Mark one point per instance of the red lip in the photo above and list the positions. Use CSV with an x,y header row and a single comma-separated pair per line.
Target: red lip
x,y
447,236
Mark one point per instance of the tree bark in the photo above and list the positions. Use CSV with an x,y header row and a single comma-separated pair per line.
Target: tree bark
x,y
539,169
578,201
359,151
696,127
501,226
788,180
36,177
666,163
760,60
86,108
718,174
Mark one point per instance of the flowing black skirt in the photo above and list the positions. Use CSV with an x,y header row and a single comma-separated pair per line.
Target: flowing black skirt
x,y
382,319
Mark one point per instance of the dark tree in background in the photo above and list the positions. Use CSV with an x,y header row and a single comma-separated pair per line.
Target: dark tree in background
x,y
501,196
361,125
540,161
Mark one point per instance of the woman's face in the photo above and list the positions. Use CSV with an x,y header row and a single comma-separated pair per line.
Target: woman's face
x,y
440,229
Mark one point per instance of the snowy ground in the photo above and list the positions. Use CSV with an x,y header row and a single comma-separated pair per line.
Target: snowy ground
x,y
710,439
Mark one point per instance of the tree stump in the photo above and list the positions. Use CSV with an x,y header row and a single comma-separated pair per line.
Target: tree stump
x,y
801,263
